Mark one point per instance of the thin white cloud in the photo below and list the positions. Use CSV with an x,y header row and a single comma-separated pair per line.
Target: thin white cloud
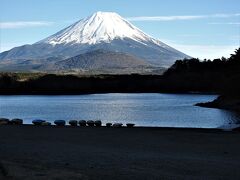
x,y
176,18
23,24
224,23
224,15
163,18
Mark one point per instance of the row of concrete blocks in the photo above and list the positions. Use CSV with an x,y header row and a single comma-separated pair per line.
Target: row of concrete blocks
x,y
16,121
81,123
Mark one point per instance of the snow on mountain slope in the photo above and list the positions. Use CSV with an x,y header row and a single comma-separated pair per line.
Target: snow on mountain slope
x,y
100,27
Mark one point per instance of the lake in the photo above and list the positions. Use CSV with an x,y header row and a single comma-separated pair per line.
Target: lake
x,y
162,110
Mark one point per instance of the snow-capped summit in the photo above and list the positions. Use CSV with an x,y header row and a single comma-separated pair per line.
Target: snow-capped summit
x,y
100,27
105,31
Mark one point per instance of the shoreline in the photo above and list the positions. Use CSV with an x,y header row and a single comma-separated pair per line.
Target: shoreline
x,y
125,127
110,92
226,102
38,152
228,127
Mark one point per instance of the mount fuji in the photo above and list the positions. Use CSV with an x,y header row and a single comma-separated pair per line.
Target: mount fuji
x,y
106,33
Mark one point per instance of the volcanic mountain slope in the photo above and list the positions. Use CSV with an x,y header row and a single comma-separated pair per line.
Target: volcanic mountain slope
x,y
103,30
100,59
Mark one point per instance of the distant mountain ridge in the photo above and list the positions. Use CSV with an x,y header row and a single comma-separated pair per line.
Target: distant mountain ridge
x,y
102,31
104,61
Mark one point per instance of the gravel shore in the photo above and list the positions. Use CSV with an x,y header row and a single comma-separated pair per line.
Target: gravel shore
x,y
36,152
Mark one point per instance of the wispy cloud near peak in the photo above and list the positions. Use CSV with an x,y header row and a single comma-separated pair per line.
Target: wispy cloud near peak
x,y
176,18
23,24
163,18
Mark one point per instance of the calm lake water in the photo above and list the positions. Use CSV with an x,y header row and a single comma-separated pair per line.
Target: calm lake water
x,y
165,110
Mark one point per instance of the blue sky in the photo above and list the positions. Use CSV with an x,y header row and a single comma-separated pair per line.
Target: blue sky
x,y
205,29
